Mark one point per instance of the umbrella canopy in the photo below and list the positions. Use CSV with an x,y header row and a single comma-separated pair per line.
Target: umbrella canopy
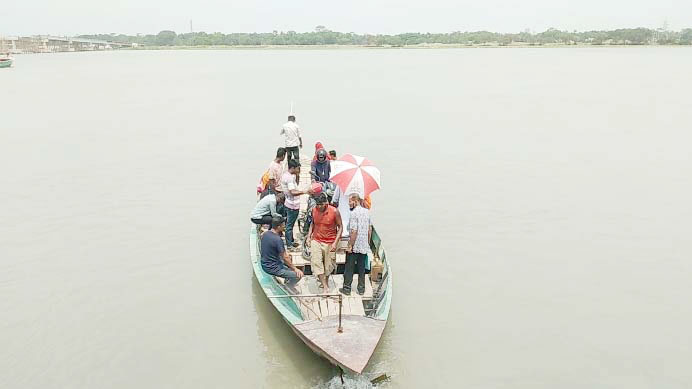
x,y
354,174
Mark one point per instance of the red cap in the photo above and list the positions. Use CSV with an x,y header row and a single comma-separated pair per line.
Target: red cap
x,y
316,188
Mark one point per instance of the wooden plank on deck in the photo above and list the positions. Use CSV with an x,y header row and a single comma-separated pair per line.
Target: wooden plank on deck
x,y
356,305
339,281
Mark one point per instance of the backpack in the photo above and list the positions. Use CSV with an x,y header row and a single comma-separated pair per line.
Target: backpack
x,y
264,180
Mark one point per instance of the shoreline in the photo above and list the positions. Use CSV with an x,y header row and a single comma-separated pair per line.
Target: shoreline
x,y
426,46
389,47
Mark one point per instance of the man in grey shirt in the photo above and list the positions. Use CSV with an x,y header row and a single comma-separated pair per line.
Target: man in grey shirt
x,y
360,229
265,209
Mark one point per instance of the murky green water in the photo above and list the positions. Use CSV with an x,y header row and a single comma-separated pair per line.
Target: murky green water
x,y
535,208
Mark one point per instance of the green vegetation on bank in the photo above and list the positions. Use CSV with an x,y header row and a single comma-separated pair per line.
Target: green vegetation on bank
x,y
323,36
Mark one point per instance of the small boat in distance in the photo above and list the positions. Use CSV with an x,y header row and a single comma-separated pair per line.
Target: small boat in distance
x,y
344,329
6,62
5,59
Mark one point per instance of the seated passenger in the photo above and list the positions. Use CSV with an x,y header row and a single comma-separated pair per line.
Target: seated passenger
x,y
266,209
320,168
274,258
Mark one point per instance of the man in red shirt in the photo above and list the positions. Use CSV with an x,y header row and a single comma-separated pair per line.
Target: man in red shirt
x,y
324,235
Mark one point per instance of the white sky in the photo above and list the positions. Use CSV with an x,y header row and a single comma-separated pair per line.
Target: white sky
x,y
72,17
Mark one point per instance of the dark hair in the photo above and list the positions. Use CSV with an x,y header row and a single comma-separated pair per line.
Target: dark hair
x,y
293,164
321,199
280,152
277,221
292,118
332,153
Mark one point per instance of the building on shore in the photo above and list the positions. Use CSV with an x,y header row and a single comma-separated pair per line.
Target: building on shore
x,y
54,44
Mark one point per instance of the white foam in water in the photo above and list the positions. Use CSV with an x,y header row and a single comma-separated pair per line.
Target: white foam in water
x,y
350,382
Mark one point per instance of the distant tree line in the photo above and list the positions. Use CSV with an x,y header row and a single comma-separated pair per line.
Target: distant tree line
x,y
323,36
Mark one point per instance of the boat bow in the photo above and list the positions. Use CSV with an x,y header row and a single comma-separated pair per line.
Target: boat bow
x,y
351,348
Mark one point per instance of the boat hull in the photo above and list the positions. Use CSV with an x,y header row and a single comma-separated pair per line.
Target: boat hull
x,y
6,63
350,349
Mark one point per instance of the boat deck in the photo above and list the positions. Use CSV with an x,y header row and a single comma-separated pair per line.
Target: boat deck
x,y
346,335
320,307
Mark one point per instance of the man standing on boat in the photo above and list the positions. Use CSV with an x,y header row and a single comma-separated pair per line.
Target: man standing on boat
x,y
291,133
292,203
360,233
324,235
274,259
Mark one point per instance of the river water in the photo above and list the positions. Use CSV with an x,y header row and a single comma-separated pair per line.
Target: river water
x,y
535,207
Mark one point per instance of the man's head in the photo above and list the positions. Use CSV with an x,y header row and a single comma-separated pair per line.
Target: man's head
x,y
321,155
353,200
280,153
291,118
293,166
321,202
280,198
332,153
278,224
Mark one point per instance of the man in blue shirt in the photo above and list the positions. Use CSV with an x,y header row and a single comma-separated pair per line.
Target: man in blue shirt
x,y
274,258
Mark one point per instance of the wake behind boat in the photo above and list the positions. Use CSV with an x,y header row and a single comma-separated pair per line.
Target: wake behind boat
x,y
343,328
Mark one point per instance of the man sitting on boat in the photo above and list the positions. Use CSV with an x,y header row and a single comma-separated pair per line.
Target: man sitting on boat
x,y
325,232
267,208
274,258
360,234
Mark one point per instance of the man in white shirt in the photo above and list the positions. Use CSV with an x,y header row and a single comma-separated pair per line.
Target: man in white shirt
x,y
292,203
291,132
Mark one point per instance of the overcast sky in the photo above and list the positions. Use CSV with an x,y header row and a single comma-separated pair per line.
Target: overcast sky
x,y
72,17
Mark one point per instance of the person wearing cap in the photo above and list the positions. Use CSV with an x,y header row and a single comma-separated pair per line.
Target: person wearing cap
x,y
274,258
320,168
360,234
315,190
324,235
267,208
292,203
291,133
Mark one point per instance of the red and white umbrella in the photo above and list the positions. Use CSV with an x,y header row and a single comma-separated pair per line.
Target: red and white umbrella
x,y
354,174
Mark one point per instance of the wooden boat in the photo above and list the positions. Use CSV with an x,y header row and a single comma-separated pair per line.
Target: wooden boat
x,y
6,62
343,329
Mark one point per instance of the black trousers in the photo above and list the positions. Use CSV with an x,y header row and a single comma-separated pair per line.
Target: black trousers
x,y
355,261
266,219
292,153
